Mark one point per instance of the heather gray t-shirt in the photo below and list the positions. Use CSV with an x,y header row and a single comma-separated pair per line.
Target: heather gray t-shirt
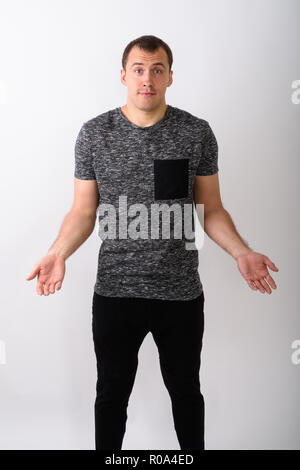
x,y
148,166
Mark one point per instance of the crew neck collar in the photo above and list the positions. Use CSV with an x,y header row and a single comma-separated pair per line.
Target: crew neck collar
x,y
147,128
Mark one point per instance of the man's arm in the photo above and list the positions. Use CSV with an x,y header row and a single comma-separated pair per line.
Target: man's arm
x,y
79,223
219,226
76,227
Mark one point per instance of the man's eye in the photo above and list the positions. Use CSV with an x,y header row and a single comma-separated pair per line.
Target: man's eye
x,y
157,70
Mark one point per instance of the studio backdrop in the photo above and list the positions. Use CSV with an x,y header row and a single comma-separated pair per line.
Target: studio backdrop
x,y
236,65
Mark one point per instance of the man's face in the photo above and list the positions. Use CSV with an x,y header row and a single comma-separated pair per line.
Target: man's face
x,y
147,72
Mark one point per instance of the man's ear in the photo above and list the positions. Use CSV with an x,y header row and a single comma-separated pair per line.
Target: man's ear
x,y
170,78
123,76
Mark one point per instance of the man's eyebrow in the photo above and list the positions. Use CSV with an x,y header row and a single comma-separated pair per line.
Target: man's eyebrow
x,y
141,63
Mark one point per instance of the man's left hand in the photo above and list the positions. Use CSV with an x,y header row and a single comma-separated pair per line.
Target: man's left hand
x,y
254,268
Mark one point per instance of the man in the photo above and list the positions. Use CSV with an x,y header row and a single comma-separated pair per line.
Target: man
x,y
147,153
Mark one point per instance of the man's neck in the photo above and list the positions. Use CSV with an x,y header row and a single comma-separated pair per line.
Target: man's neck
x,y
143,118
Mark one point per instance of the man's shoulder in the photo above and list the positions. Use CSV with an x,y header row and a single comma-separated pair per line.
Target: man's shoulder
x,y
189,119
102,121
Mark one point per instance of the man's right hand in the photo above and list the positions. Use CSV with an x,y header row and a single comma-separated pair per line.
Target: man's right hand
x,y
50,271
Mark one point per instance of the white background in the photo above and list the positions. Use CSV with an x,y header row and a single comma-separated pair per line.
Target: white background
x,y
234,65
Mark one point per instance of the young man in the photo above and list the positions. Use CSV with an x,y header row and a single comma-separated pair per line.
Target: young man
x,y
143,155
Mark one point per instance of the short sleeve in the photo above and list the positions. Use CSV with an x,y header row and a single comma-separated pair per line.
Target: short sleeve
x,y
83,156
208,163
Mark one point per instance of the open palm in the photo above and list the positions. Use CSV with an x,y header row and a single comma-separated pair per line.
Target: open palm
x,y
254,268
50,271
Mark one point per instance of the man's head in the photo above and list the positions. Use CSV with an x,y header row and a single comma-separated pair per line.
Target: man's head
x,y
147,63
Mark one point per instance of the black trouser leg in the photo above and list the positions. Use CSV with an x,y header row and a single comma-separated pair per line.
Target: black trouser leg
x,y
118,332
177,329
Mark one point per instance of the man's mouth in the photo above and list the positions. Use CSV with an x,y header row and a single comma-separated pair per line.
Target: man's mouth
x,y
146,93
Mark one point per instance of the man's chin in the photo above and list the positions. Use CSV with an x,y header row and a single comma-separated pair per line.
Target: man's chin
x,y
145,106
147,102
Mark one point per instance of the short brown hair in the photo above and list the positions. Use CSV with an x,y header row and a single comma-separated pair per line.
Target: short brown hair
x,y
148,43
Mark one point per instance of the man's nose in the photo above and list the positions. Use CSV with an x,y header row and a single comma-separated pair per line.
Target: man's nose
x,y
147,78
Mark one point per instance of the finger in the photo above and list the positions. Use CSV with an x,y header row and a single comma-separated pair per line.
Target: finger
x,y
58,285
46,288
40,288
270,264
51,288
271,281
259,286
33,274
252,285
266,286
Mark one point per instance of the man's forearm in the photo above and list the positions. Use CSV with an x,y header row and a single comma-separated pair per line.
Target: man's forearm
x,y
75,229
219,226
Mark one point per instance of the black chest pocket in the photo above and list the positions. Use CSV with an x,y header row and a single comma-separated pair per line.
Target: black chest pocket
x,y
171,178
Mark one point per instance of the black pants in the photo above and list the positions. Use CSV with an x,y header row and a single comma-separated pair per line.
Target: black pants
x,y
119,326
